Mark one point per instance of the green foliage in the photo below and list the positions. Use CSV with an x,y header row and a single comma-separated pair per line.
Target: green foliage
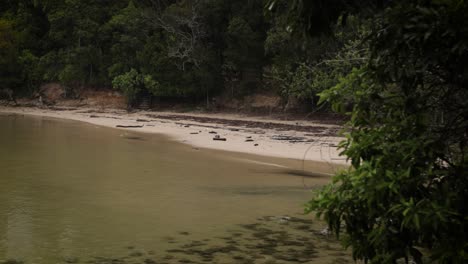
x,y
318,64
404,195
128,32
129,83
8,55
244,53
132,83
31,75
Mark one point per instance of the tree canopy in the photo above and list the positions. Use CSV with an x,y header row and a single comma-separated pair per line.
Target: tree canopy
x,y
193,49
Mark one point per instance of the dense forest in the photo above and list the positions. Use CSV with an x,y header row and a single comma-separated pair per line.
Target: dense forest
x,y
189,49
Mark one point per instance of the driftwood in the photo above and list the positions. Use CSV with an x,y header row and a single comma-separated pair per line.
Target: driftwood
x,y
122,126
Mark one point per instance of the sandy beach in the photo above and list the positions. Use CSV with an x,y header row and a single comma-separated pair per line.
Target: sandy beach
x,y
301,140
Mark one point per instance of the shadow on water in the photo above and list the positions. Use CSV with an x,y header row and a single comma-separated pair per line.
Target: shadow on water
x,y
299,173
269,239
260,190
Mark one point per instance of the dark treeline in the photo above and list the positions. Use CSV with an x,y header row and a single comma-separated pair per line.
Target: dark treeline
x,y
189,49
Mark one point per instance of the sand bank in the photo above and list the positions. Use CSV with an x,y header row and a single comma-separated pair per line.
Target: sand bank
x,y
254,135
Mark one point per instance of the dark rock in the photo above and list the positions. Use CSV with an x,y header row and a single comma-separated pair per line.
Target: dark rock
x,y
219,138
136,254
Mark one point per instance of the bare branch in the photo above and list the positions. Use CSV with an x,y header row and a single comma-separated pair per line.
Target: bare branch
x,y
185,29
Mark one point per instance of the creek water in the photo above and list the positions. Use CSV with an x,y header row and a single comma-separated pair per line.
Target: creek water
x,y
72,192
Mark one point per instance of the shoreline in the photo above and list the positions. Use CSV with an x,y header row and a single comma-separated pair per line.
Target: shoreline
x,y
304,140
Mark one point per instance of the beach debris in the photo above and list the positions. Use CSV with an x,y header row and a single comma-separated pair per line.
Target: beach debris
x,y
129,126
249,137
234,129
213,132
291,139
58,108
219,138
256,145
187,126
142,120
249,140
93,116
287,138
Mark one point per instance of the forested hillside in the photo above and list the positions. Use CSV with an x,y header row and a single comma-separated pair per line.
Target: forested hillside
x,y
190,50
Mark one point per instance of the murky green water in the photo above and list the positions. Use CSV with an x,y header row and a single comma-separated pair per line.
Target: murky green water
x,y
76,193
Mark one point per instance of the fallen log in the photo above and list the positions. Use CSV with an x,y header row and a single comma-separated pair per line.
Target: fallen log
x,y
122,126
